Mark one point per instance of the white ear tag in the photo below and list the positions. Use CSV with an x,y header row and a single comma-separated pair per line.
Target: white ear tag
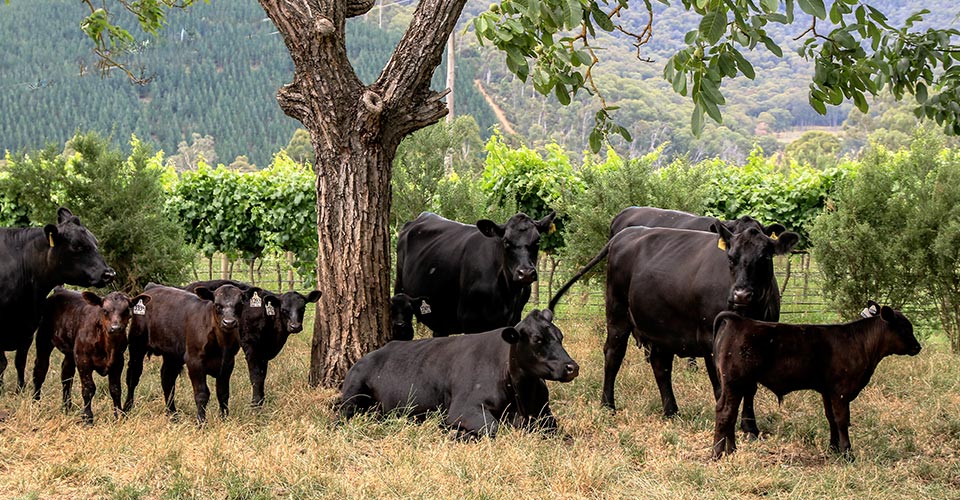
x,y
139,309
270,310
424,308
256,301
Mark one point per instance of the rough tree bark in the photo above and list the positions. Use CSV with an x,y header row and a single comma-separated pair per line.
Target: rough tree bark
x,y
355,130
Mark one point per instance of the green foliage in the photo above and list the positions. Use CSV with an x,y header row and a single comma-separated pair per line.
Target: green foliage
x,y
531,183
893,233
815,148
792,196
116,198
553,41
244,214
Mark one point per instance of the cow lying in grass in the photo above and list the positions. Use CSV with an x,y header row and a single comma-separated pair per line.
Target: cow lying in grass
x,y
477,381
835,360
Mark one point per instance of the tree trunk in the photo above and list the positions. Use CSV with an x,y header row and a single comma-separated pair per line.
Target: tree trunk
x,y
355,130
290,262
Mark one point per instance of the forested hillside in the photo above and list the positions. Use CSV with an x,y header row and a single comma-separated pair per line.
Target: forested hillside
x,y
216,68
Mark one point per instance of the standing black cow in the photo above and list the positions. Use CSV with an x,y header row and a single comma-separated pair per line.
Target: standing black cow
x,y
473,278
835,360
666,285
32,262
476,380
266,322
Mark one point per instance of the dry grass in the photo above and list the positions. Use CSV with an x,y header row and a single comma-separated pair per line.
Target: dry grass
x,y
906,433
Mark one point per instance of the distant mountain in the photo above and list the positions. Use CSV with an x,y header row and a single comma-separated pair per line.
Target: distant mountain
x,y
217,68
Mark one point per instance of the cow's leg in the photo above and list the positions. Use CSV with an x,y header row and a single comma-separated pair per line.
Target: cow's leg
x,y
662,363
201,393
711,366
841,417
614,349
115,376
828,411
258,374
223,384
473,423
41,365
169,370
88,390
724,437
20,362
748,419
67,369
138,350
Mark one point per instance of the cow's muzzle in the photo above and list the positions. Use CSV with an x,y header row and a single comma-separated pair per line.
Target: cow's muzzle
x,y
570,371
526,276
105,278
295,327
228,322
742,297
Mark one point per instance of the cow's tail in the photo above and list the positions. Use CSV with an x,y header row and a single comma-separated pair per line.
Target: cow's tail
x,y
718,321
566,286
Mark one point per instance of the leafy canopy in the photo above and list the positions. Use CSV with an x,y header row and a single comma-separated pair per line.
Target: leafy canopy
x,y
554,43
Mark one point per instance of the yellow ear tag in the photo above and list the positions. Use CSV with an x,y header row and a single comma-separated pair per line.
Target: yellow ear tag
x,y
553,228
721,245
773,236
50,237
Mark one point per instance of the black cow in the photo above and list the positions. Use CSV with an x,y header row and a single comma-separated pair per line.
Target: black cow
x,y
473,278
91,332
661,217
477,381
32,262
266,322
402,309
199,329
835,360
666,285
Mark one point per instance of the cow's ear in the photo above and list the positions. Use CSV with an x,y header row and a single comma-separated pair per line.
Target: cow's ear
x,y
887,314
204,293
314,296
785,243
92,299
774,230
490,229
272,300
547,315
141,298
545,224
510,335
65,215
252,290
725,235
52,233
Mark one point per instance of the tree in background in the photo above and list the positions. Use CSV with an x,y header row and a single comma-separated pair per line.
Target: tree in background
x,y
116,197
892,233
815,148
299,148
200,149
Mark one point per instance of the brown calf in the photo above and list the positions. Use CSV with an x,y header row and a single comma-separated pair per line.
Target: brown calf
x,y
198,329
835,360
91,332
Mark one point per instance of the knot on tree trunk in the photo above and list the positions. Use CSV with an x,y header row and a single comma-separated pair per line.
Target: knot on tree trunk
x,y
372,101
325,26
358,7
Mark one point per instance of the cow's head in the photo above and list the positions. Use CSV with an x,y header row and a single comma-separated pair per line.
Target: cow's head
x,y
402,309
902,341
114,310
228,301
520,238
292,307
750,256
74,250
537,348
745,222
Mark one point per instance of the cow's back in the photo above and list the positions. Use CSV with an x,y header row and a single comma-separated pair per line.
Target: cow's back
x,y
672,280
65,314
658,217
170,316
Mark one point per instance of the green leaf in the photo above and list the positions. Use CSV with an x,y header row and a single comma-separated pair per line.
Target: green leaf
x,y
713,25
745,67
814,8
769,5
600,17
921,93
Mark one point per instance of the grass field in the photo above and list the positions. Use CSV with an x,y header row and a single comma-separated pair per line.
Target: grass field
x,y
905,432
